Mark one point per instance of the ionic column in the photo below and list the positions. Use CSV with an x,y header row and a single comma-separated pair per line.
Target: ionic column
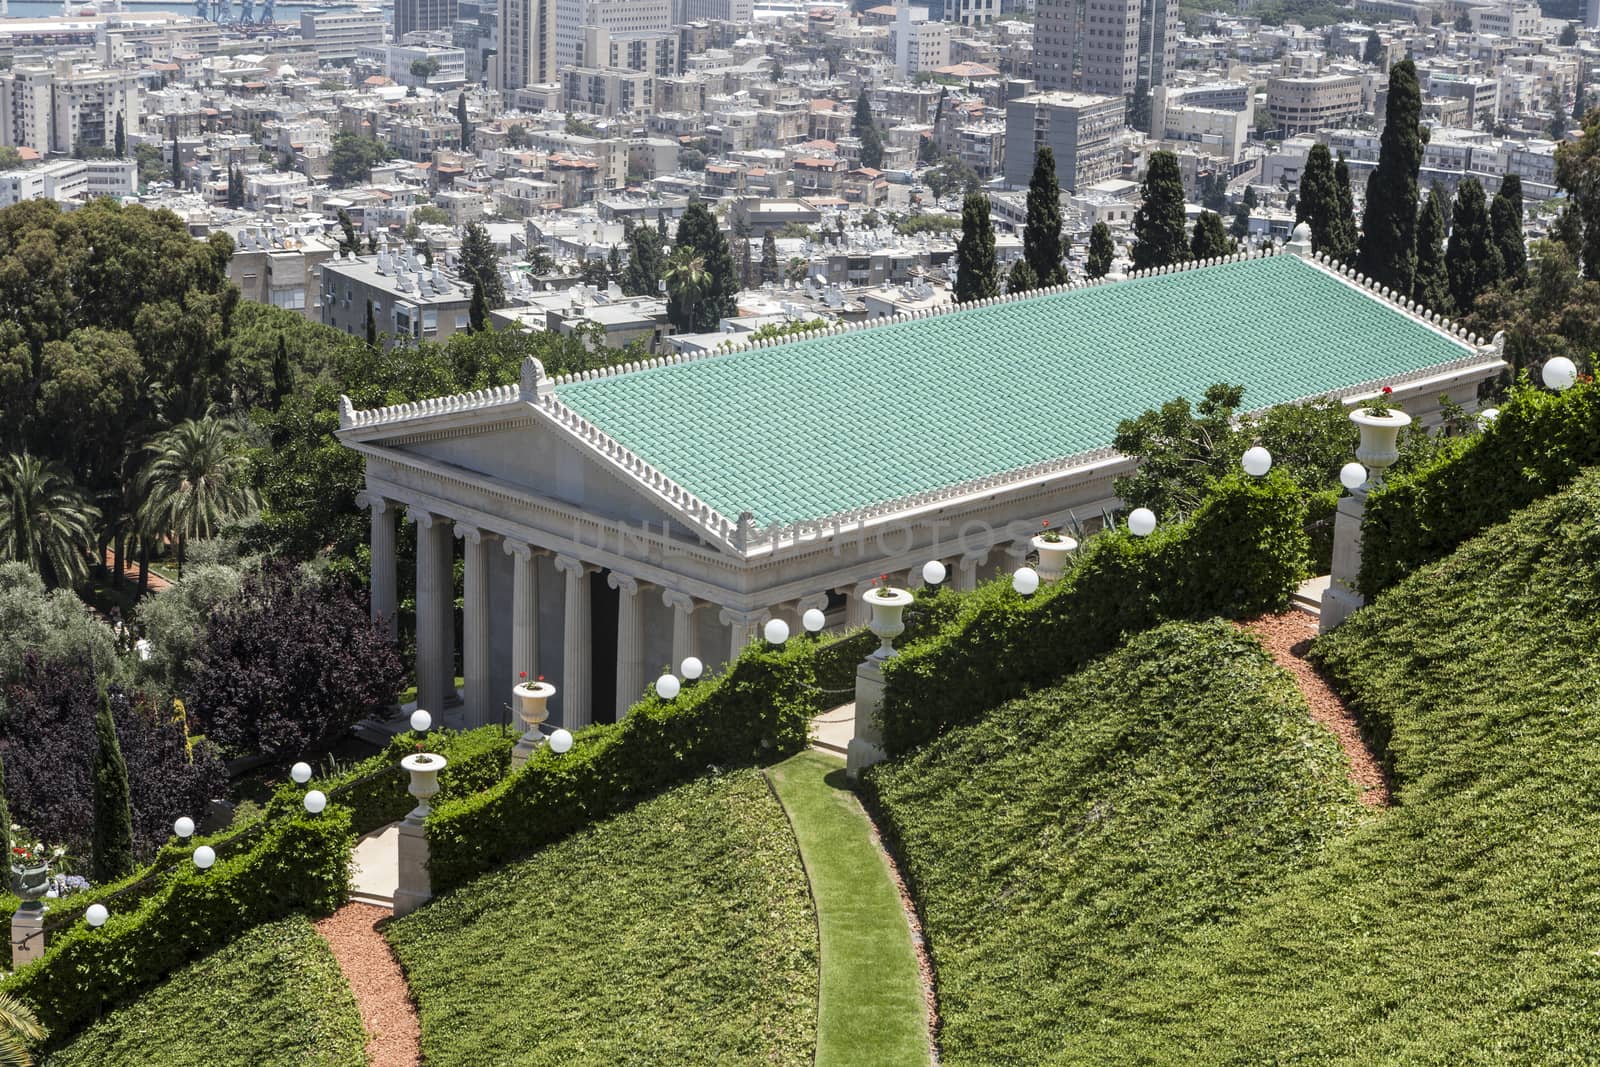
x,y
435,608
385,608
524,611
1017,554
856,612
685,641
630,641
742,626
966,572
475,627
576,688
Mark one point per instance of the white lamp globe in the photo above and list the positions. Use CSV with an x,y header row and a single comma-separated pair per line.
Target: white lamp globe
x,y
776,631
204,857
1488,415
813,620
1141,522
667,686
691,668
560,742
933,572
315,801
1352,476
184,827
1559,373
300,773
421,721
96,915
1256,461
1025,580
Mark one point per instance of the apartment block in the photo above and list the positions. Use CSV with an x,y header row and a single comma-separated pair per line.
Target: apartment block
x,y
1081,130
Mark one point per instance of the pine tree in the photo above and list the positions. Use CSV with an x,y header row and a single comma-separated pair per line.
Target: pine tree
x,y
977,276
1318,206
480,265
1021,279
866,130
1505,216
119,140
113,817
1240,226
642,275
614,265
1159,230
1431,283
1473,258
1041,236
1101,251
1250,201
769,259
1388,252
1210,240
698,230
1348,237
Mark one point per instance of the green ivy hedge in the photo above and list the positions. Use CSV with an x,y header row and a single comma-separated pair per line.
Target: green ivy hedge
x,y
757,711
1240,554
297,864
1538,444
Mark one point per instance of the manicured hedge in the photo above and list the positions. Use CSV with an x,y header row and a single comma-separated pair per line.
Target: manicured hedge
x,y
1538,444
298,864
756,712
1240,554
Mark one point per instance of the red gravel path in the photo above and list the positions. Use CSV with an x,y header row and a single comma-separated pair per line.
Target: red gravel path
x,y
381,992
1286,637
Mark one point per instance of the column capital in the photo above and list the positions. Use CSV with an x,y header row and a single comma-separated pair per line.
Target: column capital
x,y
573,565
521,549
624,583
681,601
813,600
735,617
469,533
1018,551
425,520
377,504
973,559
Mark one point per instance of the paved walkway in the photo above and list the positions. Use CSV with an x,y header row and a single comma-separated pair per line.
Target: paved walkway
x,y
873,1004
394,1037
1287,637
377,866
832,730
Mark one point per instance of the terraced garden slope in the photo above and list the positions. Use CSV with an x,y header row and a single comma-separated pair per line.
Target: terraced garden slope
x,y
273,998
1063,845
679,932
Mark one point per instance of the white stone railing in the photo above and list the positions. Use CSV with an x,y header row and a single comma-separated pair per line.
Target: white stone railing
x,y
477,399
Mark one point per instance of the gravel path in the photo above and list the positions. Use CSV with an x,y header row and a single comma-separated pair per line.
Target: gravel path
x,y
395,1039
1286,637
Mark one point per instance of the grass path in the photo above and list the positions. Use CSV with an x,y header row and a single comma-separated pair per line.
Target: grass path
x,y
871,1008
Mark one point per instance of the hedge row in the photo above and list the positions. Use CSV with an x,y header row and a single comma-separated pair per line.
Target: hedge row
x,y
298,864
1538,444
1240,554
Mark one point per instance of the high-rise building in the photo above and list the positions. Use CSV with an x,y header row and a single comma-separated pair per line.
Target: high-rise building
x,y
620,17
1079,128
527,43
1110,47
63,107
412,15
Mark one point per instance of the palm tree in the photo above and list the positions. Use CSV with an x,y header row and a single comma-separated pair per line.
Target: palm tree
x,y
687,280
18,1026
194,481
45,520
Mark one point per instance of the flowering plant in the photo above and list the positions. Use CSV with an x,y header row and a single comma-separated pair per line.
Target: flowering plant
x,y
35,855
1050,536
1381,404
883,590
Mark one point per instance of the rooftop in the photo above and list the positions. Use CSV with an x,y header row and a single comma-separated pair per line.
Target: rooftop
x,y
827,424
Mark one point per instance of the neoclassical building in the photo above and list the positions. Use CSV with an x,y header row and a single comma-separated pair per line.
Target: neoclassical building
x,y
615,522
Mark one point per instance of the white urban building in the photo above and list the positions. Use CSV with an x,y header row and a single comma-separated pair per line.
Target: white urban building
x,y
615,522
70,181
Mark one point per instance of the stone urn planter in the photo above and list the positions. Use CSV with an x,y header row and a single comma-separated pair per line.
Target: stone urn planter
x,y
531,701
1053,555
424,768
31,883
888,608
1380,434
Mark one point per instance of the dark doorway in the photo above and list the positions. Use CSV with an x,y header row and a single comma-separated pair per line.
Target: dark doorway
x,y
603,646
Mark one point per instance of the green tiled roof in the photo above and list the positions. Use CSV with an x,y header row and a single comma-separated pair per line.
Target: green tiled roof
x,y
806,429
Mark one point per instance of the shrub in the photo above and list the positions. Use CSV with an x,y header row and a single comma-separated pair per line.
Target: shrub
x,y
1538,444
289,663
174,621
298,864
112,849
53,626
1239,555
757,711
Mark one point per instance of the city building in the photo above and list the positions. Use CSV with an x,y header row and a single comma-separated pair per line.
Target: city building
x,y
70,181
527,44
621,17
407,298
1108,47
278,267
63,106
1317,102
336,36
1080,129
413,15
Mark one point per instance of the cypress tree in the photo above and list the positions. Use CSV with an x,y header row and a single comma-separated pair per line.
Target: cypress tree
x,y
113,817
1318,204
119,140
1159,230
1373,51
769,259
461,117
1101,250
480,265
1021,279
977,276
5,825
698,230
1505,216
1473,258
177,166
1041,236
282,373
372,327
1430,286
1348,235
478,310
866,130
1210,239
1388,252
